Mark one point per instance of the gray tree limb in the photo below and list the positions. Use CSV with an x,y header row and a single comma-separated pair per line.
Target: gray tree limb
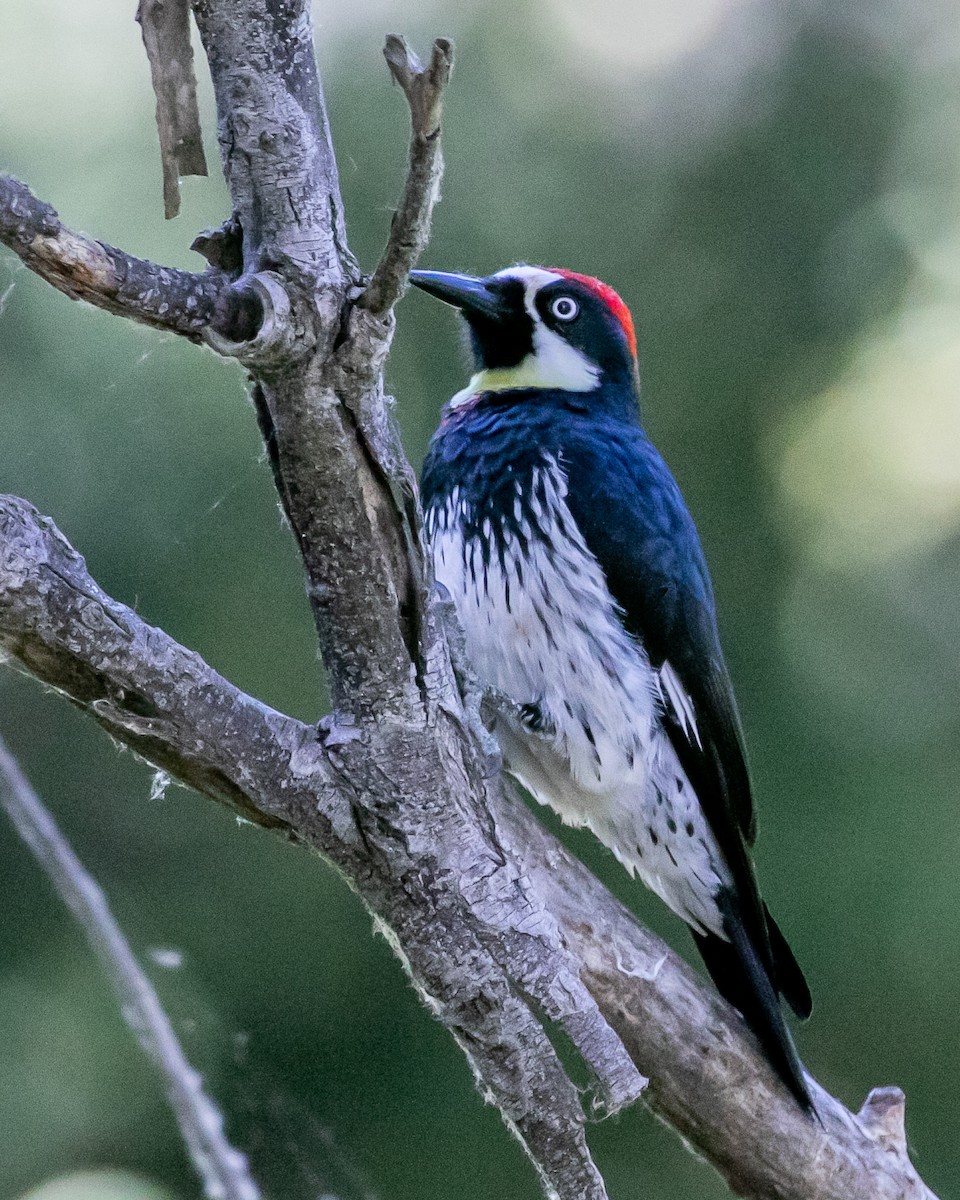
x,y
222,1168
84,269
497,890
498,927
445,887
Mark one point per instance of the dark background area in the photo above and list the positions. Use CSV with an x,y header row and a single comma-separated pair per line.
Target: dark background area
x,y
773,188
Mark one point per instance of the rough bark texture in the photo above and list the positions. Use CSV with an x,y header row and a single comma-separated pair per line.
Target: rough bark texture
x,y
483,906
84,269
500,930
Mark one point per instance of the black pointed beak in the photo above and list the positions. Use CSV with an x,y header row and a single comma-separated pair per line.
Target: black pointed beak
x,y
471,296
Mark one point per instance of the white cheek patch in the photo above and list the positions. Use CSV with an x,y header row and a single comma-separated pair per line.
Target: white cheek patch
x,y
561,365
554,363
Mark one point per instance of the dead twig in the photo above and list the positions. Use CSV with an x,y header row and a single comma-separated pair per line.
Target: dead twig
x,y
222,1168
410,228
165,26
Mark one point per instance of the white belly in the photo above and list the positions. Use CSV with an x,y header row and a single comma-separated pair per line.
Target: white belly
x,y
542,628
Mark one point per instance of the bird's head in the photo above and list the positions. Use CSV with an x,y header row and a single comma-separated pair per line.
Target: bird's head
x,y
539,328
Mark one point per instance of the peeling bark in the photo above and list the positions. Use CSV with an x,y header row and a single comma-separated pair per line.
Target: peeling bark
x,y
165,25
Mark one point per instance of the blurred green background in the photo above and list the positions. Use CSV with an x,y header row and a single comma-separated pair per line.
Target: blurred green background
x,y
773,186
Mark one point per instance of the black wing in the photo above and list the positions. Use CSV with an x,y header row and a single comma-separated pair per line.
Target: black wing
x,y
633,519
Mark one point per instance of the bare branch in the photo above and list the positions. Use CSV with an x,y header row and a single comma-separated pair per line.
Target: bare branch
x,y
222,1168
323,413
434,872
410,228
273,132
494,893
165,26
708,1079
499,928
147,691
83,269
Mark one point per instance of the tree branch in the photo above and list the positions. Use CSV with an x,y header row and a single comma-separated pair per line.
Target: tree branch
x,y
410,228
165,26
322,398
497,889
222,1168
83,269
499,929
436,874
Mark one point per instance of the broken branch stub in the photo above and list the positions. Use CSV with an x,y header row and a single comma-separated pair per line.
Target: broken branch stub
x,y
165,27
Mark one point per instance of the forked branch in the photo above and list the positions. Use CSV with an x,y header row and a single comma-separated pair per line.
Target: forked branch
x,y
707,1077
500,929
410,228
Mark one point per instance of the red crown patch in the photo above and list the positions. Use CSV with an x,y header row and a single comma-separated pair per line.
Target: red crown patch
x,y
610,298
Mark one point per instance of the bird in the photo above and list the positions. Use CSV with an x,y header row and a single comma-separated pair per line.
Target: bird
x,y
587,609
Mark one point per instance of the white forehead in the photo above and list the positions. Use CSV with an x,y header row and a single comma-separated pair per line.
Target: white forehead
x,y
533,278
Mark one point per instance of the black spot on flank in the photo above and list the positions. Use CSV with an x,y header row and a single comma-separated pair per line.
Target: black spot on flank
x,y
518,567
534,718
639,850
654,838
689,828
566,705
670,855
588,732
679,787
659,797
542,618
671,825
631,759
506,592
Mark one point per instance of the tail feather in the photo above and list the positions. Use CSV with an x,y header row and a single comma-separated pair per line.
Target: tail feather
x,y
741,977
790,981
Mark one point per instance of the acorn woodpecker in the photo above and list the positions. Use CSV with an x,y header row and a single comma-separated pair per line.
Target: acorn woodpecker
x,y
577,574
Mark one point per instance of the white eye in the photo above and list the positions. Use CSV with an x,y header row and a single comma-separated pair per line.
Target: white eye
x,y
564,308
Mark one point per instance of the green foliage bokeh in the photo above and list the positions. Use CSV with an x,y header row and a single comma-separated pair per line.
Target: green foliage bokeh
x,y
773,189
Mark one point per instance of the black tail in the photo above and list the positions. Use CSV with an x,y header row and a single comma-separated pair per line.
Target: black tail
x,y
790,981
741,977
